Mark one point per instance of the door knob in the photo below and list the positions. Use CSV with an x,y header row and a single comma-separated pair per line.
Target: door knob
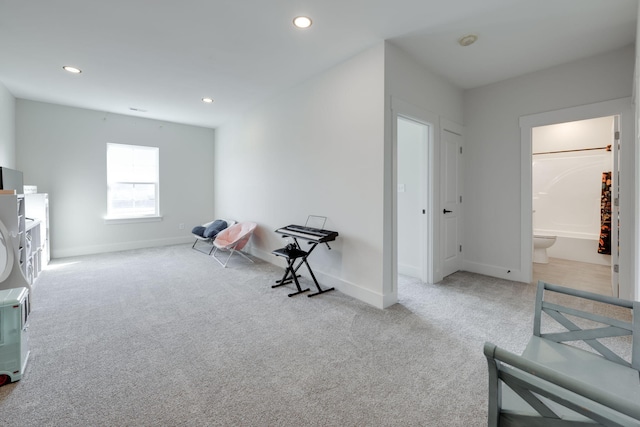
x,y
446,211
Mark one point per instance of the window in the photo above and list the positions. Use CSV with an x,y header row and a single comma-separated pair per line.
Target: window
x,y
132,181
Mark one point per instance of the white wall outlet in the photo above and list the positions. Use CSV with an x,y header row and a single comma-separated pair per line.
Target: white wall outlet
x,y
181,226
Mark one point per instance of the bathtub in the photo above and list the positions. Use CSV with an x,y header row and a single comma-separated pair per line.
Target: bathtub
x,y
566,203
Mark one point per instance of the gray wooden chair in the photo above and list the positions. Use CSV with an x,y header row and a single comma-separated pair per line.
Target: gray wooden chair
x,y
567,375
523,393
602,326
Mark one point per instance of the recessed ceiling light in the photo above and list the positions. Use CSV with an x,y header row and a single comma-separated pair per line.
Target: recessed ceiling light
x,y
302,21
71,69
467,40
207,100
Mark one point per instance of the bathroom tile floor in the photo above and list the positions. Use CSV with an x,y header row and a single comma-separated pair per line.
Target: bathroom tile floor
x,y
578,275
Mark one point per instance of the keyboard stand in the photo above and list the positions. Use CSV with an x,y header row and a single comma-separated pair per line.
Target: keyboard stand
x,y
291,256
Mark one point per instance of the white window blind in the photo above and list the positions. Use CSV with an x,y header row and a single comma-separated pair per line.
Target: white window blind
x,y
132,181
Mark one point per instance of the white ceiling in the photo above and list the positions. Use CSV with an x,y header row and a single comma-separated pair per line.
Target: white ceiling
x,y
163,56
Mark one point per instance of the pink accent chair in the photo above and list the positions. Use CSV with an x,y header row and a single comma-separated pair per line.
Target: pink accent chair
x,y
233,239
208,240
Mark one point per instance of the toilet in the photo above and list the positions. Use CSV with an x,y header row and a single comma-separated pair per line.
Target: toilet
x,y
540,245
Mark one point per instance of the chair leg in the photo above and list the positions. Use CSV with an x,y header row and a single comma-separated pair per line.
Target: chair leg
x,y
224,265
200,250
245,257
231,252
217,259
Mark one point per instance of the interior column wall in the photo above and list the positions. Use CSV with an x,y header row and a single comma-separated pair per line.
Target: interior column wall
x,y
315,149
411,84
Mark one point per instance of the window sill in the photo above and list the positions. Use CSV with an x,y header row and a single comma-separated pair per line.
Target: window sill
x,y
131,220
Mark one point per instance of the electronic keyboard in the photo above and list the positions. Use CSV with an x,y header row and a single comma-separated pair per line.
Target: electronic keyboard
x,y
314,235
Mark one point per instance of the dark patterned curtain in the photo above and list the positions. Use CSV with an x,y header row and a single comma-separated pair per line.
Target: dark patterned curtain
x,y
604,245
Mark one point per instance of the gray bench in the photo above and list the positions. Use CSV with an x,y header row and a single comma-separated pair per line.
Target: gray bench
x,y
569,376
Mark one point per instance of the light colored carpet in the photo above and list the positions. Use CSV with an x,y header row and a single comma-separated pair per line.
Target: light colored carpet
x,y
165,336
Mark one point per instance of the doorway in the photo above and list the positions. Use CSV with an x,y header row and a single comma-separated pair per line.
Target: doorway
x,y
622,108
419,224
412,184
412,190
574,183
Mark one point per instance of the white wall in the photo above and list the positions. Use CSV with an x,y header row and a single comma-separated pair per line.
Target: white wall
x,y
576,135
411,82
62,150
636,162
315,149
7,128
492,161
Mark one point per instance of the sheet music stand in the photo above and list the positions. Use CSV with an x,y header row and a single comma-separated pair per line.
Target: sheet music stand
x,y
315,221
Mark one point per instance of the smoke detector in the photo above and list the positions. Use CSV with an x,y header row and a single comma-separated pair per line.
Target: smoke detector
x,y
467,40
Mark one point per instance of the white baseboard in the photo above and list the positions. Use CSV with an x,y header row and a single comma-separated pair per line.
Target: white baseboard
x,y
409,270
494,271
116,247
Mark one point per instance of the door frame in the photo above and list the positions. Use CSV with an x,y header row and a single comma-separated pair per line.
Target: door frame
x,y
400,108
618,107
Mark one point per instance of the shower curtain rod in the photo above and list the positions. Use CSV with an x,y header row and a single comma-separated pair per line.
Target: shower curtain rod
x,y
608,148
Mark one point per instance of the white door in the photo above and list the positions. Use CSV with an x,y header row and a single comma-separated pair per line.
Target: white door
x,y
450,202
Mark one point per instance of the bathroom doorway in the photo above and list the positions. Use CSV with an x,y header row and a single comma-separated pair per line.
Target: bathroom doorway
x,y
574,179
622,272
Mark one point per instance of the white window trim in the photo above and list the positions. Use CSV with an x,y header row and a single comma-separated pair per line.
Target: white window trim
x,y
131,220
118,219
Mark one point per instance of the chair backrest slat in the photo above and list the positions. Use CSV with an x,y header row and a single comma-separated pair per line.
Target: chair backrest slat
x,y
590,335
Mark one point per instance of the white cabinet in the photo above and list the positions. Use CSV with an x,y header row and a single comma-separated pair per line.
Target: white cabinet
x,y
28,236
12,215
32,251
37,209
